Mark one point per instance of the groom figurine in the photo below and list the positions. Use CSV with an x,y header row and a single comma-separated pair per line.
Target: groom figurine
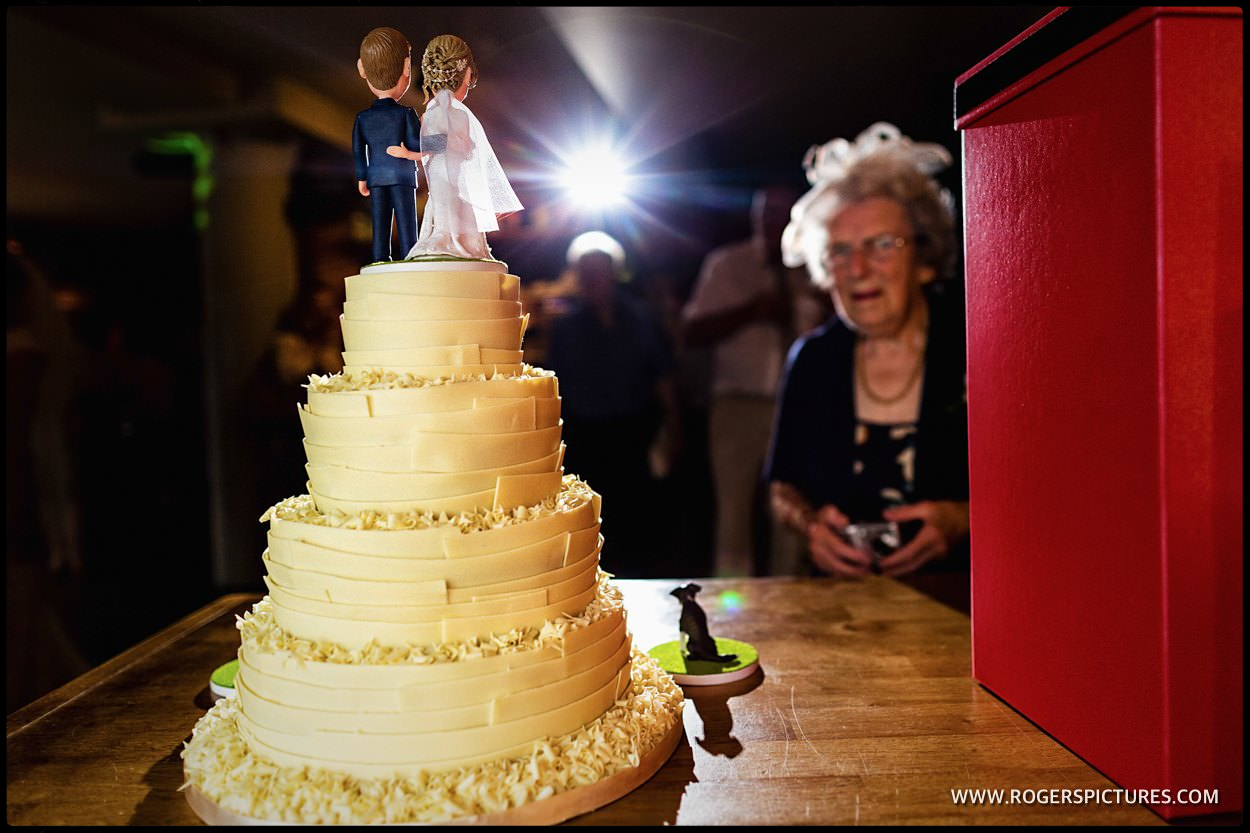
x,y
389,182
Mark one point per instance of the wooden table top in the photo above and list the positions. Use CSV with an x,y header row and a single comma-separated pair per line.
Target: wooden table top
x,y
864,712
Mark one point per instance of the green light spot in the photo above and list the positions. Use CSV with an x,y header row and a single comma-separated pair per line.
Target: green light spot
x,y
201,153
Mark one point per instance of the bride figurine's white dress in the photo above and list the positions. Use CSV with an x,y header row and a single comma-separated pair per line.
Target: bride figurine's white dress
x,y
467,185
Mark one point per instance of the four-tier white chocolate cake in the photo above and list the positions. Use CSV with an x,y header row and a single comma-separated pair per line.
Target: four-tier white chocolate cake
x,y
438,641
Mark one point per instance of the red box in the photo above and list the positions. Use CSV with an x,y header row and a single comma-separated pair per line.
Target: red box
x,y
1103,211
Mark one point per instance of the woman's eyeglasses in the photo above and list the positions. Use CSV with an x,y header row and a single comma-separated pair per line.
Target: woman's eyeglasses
x,y
880,249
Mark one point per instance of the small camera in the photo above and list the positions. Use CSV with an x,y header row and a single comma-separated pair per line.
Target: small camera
x,y
877,539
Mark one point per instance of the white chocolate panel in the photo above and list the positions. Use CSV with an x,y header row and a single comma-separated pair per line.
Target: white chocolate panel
x,y
435,745
339,589
440,371
443,452
539,699
483,285
353,482
568,578
451,355
440,609
385,592
347,577
303,718
457,396
355,633
428,696
415,677
526,489
441,541
505,334
494,417
390,307
449,505
511,490
468,572
407,754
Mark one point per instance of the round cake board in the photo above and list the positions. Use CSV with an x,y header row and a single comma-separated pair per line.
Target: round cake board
x,y
553,810
686,671
221,683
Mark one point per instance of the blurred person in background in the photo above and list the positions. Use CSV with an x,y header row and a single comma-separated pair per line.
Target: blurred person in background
x,y
872,422
619,402
748,307
43,562
307,336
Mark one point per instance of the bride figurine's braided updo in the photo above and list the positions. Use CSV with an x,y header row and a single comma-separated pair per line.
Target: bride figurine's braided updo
x,y
444,63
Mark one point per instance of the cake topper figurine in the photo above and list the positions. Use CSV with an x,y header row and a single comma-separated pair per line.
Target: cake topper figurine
x,y
389,182
699,644
468,190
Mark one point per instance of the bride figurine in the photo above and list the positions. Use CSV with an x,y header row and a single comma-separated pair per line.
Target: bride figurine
x,y
468,190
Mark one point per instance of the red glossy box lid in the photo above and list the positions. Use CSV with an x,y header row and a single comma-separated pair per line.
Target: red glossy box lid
x,y
1059,39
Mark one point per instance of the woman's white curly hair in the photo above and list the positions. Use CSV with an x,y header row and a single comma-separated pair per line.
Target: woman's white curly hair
x,y
881,162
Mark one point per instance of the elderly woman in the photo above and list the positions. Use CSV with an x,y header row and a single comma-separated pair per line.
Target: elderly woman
x,y
872,420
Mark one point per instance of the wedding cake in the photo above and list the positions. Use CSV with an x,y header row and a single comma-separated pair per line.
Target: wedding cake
x,y
438,641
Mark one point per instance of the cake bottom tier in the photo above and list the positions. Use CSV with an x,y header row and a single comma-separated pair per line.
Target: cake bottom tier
x,y
229,782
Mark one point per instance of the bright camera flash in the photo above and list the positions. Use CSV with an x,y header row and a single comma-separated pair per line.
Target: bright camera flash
x,y
595,178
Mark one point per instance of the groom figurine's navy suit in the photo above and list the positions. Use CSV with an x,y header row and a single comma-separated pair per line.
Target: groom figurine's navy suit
x,y
392,181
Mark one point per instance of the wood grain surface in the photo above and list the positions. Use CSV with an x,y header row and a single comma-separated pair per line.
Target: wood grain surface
x,y
863,711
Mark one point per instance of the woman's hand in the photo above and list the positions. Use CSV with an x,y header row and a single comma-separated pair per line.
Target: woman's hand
x,y
945,522
820,528
830,551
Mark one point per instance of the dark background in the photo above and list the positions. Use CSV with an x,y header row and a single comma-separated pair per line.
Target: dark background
x,y
705,101
169,171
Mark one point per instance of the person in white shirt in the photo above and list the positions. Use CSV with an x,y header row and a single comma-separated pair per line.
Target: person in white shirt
x,y
748,308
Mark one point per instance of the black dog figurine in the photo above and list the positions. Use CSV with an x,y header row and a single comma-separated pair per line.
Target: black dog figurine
x,y
699,643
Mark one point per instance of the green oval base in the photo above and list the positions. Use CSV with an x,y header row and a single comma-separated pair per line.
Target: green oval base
x,y
686,671
221,684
